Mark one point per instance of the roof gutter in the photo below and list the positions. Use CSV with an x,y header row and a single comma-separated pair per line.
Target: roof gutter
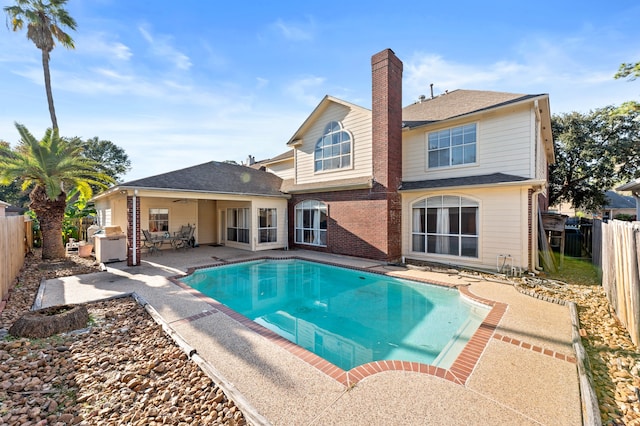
x,y
536,184
128,189
346,187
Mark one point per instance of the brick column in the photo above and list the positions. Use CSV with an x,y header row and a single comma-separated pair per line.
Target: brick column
x,y
386,133
131,231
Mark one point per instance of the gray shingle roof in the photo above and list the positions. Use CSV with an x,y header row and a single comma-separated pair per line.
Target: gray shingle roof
x,y
619,201
456,103
214,176
461,181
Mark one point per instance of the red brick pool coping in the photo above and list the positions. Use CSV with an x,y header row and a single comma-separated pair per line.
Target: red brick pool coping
x,y
458,373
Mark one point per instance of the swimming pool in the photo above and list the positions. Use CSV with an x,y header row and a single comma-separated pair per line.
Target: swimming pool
x,y
348,317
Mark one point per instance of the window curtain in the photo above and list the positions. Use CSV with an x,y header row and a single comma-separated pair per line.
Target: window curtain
x,y
417,219
419,239
315,220
442,227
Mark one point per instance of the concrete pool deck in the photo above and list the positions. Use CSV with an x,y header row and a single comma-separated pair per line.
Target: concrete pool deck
x,y
525,373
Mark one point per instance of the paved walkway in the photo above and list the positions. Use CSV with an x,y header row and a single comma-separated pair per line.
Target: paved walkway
x,y
525,375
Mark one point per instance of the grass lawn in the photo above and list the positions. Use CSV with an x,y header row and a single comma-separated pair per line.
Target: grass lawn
x,y
576,271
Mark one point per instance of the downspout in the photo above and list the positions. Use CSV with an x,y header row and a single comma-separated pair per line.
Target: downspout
x,y
537,136
286,228
135,227
533,256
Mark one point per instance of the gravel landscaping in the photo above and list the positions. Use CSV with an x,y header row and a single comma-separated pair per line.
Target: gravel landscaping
x,y
614,359
123,369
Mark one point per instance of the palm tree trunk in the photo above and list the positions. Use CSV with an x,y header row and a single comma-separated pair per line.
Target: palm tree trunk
x,y
47,85
50,213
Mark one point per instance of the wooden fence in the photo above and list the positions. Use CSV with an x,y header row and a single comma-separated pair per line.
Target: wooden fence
x,y
596,245
620,259
13,246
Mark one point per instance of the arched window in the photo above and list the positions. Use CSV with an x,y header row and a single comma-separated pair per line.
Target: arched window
x,y
445,224
333,149
311,223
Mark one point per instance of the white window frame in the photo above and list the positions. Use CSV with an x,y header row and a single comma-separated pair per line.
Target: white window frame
x,y
314,231
267,225
447,143
238,225
330,151
437,238
155,223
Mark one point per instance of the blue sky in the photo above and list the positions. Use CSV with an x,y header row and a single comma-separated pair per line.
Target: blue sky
x,y
180,83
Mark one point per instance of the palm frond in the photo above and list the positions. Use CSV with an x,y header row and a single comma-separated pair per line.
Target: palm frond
x,y
56,164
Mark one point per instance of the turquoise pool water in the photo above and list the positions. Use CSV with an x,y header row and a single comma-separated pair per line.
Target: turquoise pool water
x,y
345,316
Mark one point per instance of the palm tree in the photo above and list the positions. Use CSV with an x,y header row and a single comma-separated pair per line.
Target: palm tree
x,y
50,167
44,22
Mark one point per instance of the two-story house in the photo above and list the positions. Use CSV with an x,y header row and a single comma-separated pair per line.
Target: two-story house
x,y
456,179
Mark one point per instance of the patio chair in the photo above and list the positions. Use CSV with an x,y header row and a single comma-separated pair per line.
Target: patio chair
x,y
152,243
183,238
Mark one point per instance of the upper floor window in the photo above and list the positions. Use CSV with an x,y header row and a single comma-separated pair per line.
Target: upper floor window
x,y
159,220
333,149
452,147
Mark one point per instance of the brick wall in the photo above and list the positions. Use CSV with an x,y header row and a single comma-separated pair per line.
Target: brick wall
x,y
355,223
386,116
367,223
130,231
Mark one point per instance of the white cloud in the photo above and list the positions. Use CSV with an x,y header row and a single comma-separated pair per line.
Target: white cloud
x,y
159,140
98,44
302,90
112,74
162,48
565,69
295,31
424,69
262,82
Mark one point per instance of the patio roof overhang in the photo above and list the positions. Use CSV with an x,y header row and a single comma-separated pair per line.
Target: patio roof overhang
x,y
180,193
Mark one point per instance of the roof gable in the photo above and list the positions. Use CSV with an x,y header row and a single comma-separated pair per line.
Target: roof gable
x,y
322,106
285,156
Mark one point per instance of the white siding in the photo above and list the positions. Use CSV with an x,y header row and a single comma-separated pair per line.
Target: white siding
x,y
357,122
283,169
503,226
541,158
281,217
504,143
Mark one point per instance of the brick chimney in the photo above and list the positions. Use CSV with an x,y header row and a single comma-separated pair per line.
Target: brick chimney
x,y
386,111
386,134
